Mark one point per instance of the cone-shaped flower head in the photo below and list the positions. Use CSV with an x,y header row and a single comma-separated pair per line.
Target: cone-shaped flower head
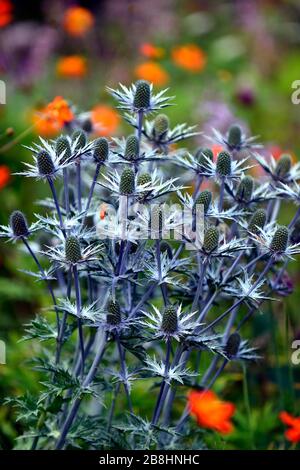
x,y
161,125
127,185
113,316
87,126
169,322
280,240
143,179
142,95
79,136
234,136
257,221
101,150
131,148
202,154
224,164
157,219
204,198
62,146
283,165
18,224
233,344
245,189
44,163
72,249
211,239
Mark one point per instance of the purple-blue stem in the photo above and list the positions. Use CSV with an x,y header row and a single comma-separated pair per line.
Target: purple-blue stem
x,y
75,407
160,401
53,190
78,310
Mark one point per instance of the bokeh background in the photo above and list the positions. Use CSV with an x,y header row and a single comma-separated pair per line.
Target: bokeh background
x,y
226,62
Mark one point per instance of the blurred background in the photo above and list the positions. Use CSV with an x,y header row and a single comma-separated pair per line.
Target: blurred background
x,y
226,62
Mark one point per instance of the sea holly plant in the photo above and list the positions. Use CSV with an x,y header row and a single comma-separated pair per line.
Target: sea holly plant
x,y
153,256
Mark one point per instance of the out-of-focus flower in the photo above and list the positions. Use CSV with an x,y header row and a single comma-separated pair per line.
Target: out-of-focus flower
x,y
78,21
105,120
152,72
6,8
24,51
210,411
60,110
73,66
246,96
216,149
4,176
152,52
50,119
293,433
189,57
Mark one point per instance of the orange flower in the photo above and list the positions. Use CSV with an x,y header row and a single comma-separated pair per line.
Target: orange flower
x,y
105,119
50,119
151,51
293,433
78,21
152,72
4,176
6,8
210,411
216,149
72,66
189,57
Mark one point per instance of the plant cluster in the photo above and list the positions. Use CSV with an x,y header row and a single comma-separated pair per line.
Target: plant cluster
x,y
129,309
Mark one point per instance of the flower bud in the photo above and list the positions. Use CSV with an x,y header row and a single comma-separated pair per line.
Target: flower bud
x,y
62,146
211,239
283,165
280,240
204,198
169,319
101,150
132,148
245,189
79,136
233,344
157,219
161,125
224,164
113,316
72,249
257,221
18,224
234,136
44,163
127,184
142,95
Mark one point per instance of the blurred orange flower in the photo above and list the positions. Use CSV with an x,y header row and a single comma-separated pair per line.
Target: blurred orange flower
x,y
4,176
293,433
78,21
6,8
189,57
72,66
152,72
152,52
210,411
216,149
50,119
105,119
